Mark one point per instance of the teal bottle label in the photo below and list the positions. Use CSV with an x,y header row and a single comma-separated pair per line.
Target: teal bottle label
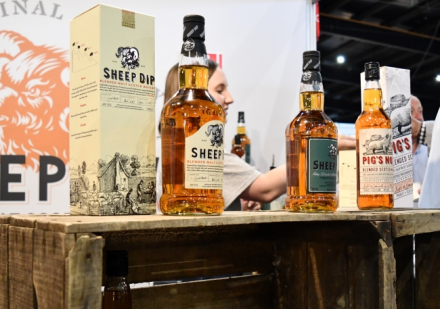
x,y
247,151
322,165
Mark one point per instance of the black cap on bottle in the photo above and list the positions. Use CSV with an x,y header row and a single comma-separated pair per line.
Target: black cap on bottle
x,y
311,60
240,117
237,139
117,263
372,71
194,27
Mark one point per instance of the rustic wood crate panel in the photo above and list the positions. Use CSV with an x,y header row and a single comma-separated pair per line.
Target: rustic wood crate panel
x,y
249,292
21,288
4,272
403,253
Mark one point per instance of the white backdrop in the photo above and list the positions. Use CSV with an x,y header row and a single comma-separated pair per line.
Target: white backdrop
x,y
261,42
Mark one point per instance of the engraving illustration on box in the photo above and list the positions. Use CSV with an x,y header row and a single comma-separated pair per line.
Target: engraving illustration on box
x,y
400,114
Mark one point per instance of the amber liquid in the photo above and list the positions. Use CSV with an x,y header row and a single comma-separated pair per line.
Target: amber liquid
x,y
117,299
311,122
238,150
245,140
183,116
372,117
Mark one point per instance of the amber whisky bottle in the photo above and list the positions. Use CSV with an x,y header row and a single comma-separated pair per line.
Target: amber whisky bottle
x,y
311,147
374,148
192,134
237,149
245,140
117,293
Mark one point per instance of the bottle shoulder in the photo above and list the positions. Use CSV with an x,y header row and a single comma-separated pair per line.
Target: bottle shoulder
x,y
371,119
313,122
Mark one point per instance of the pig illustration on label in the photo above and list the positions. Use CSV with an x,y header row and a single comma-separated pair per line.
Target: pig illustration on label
x,y
378,144
400,114
217,134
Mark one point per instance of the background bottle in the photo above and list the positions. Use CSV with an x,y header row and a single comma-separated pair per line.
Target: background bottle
x,y
237,149
117,293
245,141
192,134
374,149
311,147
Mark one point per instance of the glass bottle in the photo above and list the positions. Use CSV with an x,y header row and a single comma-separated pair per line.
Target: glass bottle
x,y
245,140
237,149
311,147
117,293
374,147
192,134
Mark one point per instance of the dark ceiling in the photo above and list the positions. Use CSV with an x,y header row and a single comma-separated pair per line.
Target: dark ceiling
x,y
396,33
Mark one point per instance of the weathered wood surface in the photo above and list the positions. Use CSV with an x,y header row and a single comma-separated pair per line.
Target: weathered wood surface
x,y
387,276
417,221
247,292
49,266
4,251
84,274
20,258
84,224
403,253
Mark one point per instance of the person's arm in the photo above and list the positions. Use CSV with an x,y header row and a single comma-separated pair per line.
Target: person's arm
x,y
346,142
267,187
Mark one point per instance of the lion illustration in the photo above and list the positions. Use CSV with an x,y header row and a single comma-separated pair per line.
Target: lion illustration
x,y
34,96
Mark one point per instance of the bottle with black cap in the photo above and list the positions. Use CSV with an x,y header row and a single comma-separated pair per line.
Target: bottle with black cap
x,y
237,149
311,147
245,140
374,149
192,125
117,293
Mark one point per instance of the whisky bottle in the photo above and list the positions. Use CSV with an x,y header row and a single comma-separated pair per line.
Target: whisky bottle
x,y
192,134
311,147
245,141
374,148
117,293
237,149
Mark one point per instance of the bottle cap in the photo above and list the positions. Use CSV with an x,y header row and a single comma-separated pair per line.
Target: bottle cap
x,y
117,263
193,27
311,60
372,71
237,139
241,117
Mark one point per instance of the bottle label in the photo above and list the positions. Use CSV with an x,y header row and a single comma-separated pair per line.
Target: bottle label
x,y
204,157
322,165
376,171
247,151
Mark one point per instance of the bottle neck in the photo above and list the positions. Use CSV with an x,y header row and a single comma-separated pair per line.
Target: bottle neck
x,y
372,96
241,128
193,66
311,91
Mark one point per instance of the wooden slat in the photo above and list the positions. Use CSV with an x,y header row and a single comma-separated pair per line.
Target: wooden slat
x,y
249,292
84,273
428,271
84,224
50,252
403,253
4,283
415,222
387,276
21,289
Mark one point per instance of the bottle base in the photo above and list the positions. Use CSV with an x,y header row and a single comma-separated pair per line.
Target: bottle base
x,y
310,206
375,208
191,206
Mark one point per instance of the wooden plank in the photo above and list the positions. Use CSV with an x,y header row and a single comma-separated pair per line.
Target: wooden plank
x,y
84,273
415,222
428,271
84,224
21,291
4,273
248,292
403,253
387,276
5,219
175,254
50,252
363,276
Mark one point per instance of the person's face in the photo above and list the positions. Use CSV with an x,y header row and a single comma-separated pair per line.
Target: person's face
x,y
416,109
218,88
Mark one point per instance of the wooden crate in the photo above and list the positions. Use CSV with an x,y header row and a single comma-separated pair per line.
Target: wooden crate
x,y
237,260
4,286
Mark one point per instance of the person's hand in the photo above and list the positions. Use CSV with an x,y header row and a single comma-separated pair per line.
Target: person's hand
x,y
346,142
416,125
249,205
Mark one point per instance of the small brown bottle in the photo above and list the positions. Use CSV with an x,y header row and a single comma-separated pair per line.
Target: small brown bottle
x,y
374,147
117,293
245,140
238,149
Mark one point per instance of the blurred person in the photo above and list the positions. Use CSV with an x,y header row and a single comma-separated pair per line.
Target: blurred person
x,y
241,181
420,151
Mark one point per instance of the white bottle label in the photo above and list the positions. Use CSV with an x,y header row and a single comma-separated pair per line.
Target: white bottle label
x,y
204,157
376,161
